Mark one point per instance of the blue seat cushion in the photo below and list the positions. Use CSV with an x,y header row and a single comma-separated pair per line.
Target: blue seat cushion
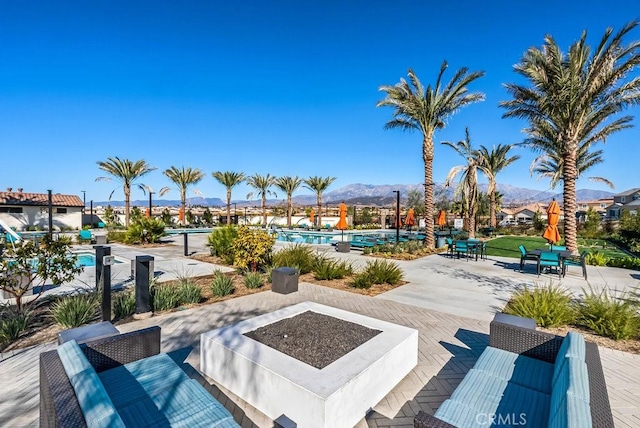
x,y
573,345
487,394
518,369
141,378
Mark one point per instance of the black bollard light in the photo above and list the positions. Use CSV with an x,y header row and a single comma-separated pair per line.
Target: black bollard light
x,y
143,275
186,244
99,258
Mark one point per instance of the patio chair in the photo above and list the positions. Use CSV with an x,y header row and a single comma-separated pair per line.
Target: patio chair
x,y
85,235
558,248
524,257
576,262
450,247
550,260
462,247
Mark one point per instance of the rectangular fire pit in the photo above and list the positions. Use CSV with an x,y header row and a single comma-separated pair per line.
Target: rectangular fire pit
x,y
338,395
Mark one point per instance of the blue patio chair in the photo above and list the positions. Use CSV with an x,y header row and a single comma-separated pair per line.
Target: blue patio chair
x,y
85,235
576,262
550,260
462,247
524,257
450,247
558,248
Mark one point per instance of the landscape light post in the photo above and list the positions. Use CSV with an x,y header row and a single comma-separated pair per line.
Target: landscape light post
x,y
84,206
91,210
150,204
245,216
235,212
50,213
397,192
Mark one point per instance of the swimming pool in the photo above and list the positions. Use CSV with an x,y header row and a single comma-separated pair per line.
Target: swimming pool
x,y
87,259
188,231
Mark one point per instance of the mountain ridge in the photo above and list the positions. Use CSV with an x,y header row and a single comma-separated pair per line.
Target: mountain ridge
x,y
377,195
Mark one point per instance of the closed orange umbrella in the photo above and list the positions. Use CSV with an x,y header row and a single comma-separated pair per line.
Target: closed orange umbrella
x,y
312,216
551,233
442,218
181,215
147,213
342,223
410,220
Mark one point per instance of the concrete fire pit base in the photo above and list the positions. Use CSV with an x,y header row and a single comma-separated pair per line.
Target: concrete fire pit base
x,y
338,395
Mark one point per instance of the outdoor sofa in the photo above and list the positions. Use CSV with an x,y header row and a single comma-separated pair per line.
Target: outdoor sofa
x,y
123,381
528,378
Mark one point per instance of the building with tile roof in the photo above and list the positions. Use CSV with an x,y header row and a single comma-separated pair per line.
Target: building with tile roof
x,y
22,211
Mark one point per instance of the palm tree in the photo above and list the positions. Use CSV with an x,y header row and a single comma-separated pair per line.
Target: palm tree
x,y
550,165
288,185
318,185
574,97
494,162
261,183
229,179
127,172
425,110
183,178
467,188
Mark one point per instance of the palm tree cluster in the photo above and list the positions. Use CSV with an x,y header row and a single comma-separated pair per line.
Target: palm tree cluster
x,y
570,104
129,172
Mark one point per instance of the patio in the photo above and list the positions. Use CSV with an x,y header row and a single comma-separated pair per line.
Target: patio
x,y
449,303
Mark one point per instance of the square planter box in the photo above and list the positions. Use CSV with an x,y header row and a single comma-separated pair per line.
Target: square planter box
x,y
339,395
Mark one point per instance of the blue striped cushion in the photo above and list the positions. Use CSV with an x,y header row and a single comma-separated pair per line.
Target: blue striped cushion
x,y
573,413
142,378
73,359
96,406
573,345
489,395
518,369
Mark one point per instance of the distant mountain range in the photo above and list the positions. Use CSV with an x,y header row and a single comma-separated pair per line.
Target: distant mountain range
x,y
377,195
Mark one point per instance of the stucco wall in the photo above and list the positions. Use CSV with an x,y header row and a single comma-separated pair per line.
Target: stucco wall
x,y
39,216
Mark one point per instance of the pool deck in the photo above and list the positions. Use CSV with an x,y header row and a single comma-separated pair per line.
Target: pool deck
x,y
449,301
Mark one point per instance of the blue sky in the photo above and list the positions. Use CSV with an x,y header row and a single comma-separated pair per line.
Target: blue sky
x,y
280,87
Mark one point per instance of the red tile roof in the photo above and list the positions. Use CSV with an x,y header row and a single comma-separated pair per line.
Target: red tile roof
x,y
39,199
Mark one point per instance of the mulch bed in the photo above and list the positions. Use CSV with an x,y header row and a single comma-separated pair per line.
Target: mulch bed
x,y
313,338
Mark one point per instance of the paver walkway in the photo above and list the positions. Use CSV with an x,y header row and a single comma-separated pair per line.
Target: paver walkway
x,y
449,344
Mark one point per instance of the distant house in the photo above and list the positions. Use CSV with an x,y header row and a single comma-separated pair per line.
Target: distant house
x,y
628,200
600,206
21,210
524,214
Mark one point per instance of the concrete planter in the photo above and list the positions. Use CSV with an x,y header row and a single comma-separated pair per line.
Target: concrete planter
x,y
343,247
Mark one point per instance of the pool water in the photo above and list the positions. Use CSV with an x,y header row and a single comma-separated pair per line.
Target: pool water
x,y
87,260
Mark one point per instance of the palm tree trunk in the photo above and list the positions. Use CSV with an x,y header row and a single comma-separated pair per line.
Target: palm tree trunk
x,y
289,210
264,210
570,174
183,202
427,155
127,203
228,207
492,210
319,216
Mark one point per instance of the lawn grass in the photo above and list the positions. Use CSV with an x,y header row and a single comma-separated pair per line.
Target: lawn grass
x,y
507,246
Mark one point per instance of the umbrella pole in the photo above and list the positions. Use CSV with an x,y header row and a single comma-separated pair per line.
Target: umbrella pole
x,y
342,230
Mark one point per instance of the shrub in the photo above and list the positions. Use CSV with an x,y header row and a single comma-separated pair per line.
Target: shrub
x,y
253,280
221,285
325,268
123,304
297,256
74,311
624,262
145,231
164,297
383,271
609,316
251,248
362,280
550,306
189,292
268,272
596,258
116,236
13,323
219,242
